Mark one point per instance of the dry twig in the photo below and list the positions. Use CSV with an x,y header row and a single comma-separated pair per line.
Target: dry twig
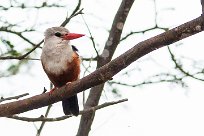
x,y
13,97
45,119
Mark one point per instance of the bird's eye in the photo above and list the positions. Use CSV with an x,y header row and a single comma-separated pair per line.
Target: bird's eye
x,y
58,34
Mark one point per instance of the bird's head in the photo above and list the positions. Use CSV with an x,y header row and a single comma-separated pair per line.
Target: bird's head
x,y
60,35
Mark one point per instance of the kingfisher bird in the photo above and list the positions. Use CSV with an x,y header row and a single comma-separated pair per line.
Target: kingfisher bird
x,y
61,63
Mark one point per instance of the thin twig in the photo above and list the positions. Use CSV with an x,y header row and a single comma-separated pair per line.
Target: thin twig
x,y
180,68
91,36
149,29
23,6
90,59
46,115
174,80
30,59
43,122
142,31
42,118
5,29
13,97
202,3
74,13
86,70
22,56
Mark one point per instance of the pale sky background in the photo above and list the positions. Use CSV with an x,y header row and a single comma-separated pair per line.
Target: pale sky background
x,y
152,110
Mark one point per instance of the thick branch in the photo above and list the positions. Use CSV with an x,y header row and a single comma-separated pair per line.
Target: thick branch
x,y
104,58
106,72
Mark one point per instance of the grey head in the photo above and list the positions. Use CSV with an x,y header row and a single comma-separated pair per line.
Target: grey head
x,y
55,31
60,33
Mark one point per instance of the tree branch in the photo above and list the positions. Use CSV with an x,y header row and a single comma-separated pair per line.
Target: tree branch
x,y
89,59
13,97
106,72
181,69
5,29
46,113
143,31
45,119
106,56
43,122
91,36
22,56
174,79
202,3
23,6
76,12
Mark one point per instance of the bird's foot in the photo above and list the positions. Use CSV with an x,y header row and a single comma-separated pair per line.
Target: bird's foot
x,y
52,90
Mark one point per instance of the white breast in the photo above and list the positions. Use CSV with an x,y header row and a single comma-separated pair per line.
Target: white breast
x,y
55,57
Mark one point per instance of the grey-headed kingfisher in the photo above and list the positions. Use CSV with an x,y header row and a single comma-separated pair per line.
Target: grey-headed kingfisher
x,y
61,63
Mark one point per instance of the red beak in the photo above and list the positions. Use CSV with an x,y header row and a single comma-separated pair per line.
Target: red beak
x,y
71,36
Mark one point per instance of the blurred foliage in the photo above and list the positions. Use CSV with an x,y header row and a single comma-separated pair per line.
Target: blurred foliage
x,y
10,49
116,92
14,68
